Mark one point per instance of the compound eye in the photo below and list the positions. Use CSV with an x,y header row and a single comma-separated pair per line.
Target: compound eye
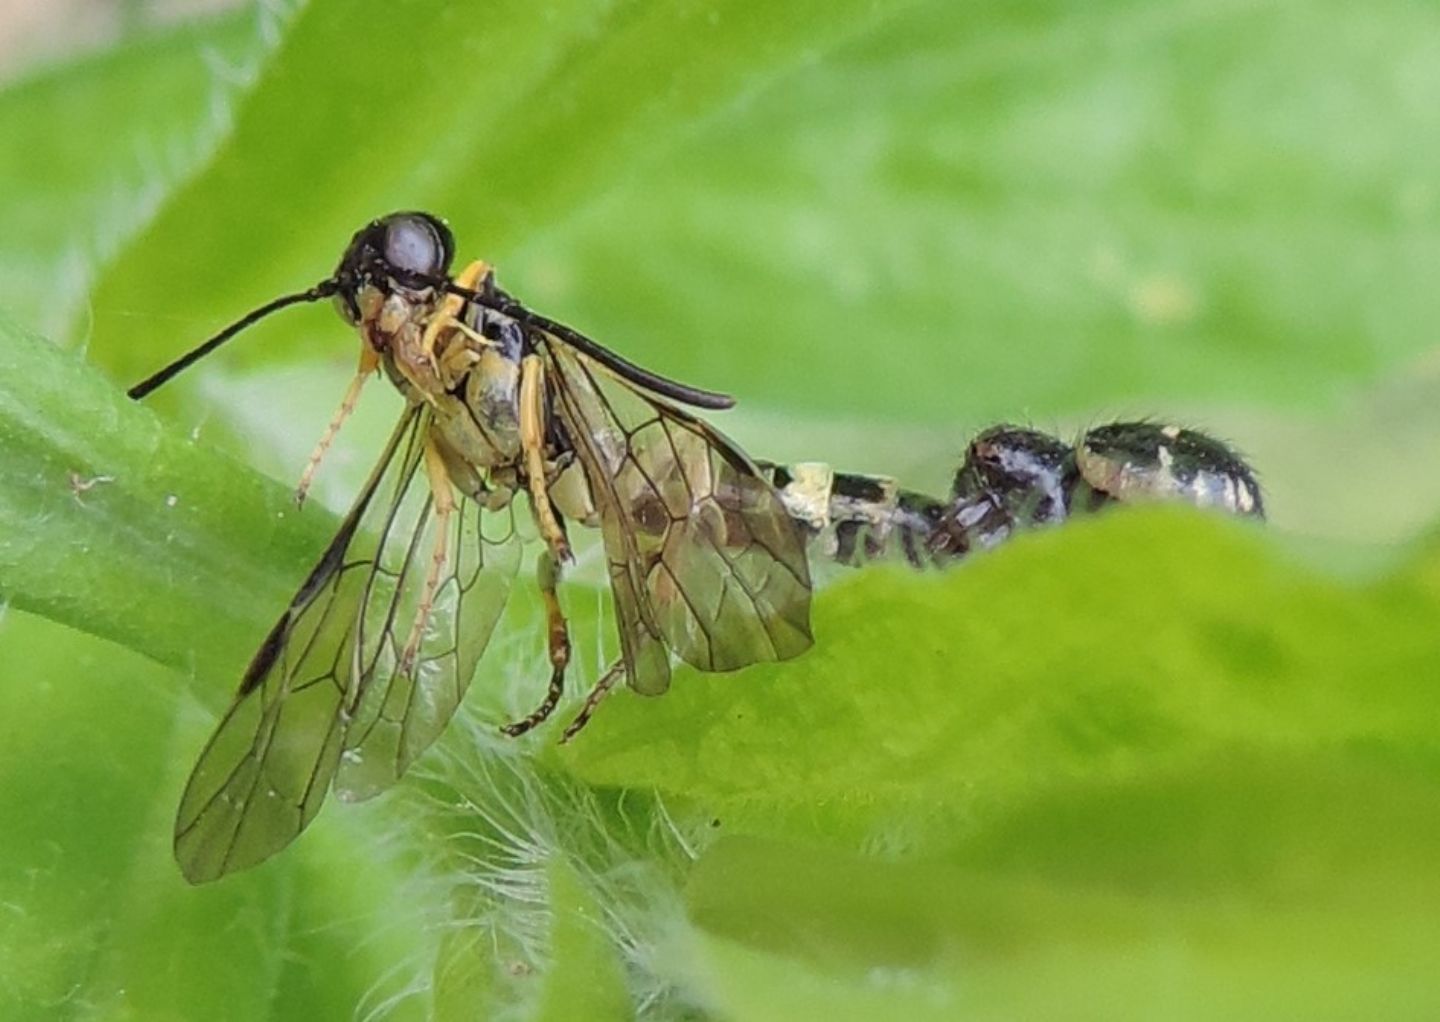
x,y
418,244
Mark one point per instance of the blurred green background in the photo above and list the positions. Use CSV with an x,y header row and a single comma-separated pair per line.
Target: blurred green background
x,y
1152,765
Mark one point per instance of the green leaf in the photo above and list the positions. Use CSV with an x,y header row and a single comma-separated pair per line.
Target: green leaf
x,y
1136,641
99,923
101,505
94,147
1033,210
503,119
919,121
1305,916
585,978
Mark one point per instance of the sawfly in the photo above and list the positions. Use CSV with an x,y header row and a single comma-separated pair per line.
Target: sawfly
x,y
368,663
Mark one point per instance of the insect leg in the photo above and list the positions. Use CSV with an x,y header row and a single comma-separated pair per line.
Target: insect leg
x,y
547,574
447,316
532,445
444,497
602,688
369,362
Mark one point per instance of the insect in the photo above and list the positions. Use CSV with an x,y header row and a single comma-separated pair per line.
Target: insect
x,y
1012,478
368,663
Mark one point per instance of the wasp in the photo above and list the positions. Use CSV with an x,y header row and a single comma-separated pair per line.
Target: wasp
x,y
367,664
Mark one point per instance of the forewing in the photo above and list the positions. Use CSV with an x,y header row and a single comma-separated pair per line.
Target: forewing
x,y
400,713
265,771
702,554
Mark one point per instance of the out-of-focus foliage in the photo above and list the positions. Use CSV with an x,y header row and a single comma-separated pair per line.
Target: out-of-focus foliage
x,y
1146,765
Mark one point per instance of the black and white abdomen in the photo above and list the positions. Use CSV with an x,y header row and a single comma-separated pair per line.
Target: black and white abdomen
x,y
1013,478
1143,461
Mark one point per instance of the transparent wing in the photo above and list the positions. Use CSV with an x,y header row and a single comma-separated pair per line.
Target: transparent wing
x,y
400,713
702,556
323,694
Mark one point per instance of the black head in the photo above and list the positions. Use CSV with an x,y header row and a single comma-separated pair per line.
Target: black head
x,y
410,251
407,250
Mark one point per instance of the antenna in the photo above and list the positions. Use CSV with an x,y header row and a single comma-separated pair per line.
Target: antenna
x,y
653,382
324,289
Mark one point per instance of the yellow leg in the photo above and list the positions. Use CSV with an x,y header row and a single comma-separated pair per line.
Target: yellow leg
x,y
532,445
369,362
447,316
547,573
443,496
